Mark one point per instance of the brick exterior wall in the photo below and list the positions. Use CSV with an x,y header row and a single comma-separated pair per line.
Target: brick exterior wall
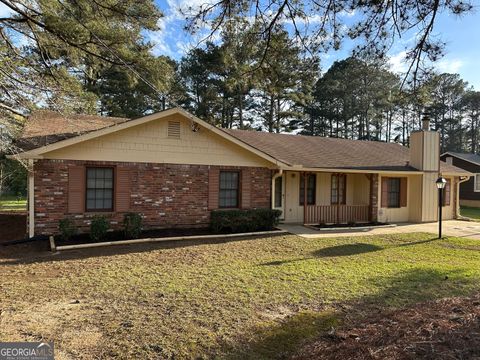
x,y
374,197
167,195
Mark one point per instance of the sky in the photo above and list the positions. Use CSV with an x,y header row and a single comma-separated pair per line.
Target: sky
x,y
461,34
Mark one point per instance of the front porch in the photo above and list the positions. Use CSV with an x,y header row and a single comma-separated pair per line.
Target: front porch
x,y
331,198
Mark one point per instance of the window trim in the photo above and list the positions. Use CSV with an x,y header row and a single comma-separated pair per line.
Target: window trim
x,y
114,180
239,187
475,189
399,179
300,192
344,192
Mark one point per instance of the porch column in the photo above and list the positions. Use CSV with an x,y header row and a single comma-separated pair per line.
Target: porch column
x,y
304,198
373,203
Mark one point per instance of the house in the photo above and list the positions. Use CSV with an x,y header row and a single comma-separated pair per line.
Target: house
x,y
174,169
469,190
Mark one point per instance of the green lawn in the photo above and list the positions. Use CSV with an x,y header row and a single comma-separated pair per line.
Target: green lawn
x,y
13,203
258,299
471,212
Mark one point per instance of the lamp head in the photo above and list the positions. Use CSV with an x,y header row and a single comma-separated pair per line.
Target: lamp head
x,y
441,182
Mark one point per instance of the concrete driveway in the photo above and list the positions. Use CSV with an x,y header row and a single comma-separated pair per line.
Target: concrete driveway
x,y
457,228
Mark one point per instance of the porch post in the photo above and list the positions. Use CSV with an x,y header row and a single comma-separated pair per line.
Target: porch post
x,y
304,198
373,203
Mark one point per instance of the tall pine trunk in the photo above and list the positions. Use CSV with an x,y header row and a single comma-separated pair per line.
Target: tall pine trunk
x,y
270,114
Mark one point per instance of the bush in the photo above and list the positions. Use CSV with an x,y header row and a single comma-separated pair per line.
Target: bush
x,y
132,225
67,228
237,221
98,228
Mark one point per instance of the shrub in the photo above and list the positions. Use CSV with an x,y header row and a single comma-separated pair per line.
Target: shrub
x,y
67,228
236,221
132,224
98,228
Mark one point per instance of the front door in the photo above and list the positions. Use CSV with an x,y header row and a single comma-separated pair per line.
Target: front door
x,y
279,195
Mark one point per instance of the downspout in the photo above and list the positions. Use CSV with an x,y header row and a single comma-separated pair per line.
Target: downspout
x,y
457,203
31,199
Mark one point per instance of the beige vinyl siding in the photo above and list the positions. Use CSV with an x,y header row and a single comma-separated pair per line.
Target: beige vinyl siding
x,y
422,201
361,193
151,143
393,215
424,151
415,198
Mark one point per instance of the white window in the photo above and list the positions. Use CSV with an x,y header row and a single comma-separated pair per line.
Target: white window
x,y
476,186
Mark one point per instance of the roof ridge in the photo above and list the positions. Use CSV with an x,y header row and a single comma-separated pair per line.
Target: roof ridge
x,y
266,133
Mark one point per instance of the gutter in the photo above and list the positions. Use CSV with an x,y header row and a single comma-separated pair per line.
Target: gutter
x,y
462,180
31,199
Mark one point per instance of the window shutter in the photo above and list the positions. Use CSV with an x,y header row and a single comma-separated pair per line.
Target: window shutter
x,y
384,192
213,188
246,189
446,194
403,191
122,189
76,189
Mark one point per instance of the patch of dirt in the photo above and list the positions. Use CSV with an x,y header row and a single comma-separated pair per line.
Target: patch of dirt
x,y
443,329
13,226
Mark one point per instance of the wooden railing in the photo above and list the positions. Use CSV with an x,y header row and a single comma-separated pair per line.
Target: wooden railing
x,y
336,214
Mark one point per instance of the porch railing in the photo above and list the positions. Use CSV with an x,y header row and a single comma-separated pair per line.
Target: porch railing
x,y
336,214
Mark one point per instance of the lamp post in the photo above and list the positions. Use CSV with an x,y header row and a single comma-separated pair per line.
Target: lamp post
x,y
441,182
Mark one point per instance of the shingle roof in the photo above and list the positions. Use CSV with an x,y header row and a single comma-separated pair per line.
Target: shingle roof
x,y
323,152
473,158
45,127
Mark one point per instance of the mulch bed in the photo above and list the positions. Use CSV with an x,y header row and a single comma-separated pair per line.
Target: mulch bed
x,y
146,234
13,226
329,226
443,329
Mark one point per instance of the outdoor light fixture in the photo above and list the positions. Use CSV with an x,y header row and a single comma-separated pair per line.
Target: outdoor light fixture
x,y
441,182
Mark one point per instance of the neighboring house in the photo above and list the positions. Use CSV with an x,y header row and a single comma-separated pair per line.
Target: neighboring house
x,y
469,190
174,168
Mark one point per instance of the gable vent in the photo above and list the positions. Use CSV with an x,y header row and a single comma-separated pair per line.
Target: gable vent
x,y
173,129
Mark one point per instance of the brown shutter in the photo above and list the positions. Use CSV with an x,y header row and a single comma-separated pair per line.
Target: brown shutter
x,y
447,193
213,188
76,189
403,191
384,192
122,189
246,189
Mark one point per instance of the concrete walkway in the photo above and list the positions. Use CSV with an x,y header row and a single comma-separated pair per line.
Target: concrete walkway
x,y
457,228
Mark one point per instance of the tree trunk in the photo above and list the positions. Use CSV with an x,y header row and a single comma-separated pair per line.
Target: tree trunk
x,y
240,110
270,114
278,121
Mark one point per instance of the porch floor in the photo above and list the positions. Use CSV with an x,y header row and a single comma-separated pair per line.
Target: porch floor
x,y
450,228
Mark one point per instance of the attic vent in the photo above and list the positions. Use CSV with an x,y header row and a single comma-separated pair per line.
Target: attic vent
x,y
173,129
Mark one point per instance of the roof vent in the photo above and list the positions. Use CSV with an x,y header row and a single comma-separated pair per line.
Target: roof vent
x,y
173,130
